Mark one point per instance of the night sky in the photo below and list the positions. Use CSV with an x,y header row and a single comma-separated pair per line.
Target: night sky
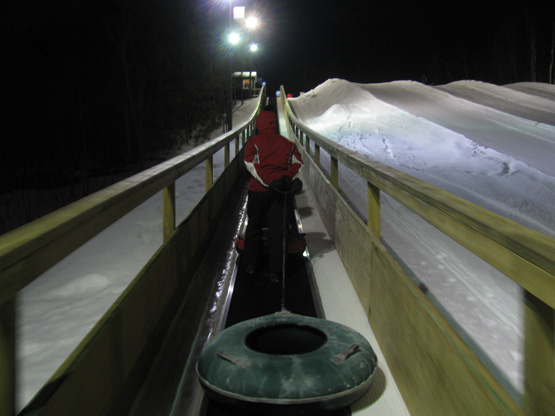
x,y
103,87
306,42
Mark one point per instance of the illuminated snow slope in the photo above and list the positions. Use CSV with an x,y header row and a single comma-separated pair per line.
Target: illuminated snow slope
x,y
501,160
468,149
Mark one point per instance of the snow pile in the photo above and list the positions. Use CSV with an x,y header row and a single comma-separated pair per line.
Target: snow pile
x,y
356,119
505,99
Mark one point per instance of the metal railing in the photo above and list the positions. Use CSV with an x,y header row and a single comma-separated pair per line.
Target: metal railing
x,y
27,252
524,255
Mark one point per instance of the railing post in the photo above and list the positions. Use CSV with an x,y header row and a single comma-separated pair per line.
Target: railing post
x,y
243,135
209,173
334,173
169,211
317,154
226,155
236,145
539,357
307,143
374,209
7,358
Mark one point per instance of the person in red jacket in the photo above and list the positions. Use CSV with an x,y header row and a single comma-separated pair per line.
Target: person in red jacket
x,y
273,162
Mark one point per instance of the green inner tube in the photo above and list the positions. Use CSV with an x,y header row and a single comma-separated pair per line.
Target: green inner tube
x,y
287,359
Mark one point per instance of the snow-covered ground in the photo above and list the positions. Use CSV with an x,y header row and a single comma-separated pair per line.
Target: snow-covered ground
x,y
490,154
479,141
59,308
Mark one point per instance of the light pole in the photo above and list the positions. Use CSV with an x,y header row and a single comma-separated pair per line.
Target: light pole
x,y
234,38
253,48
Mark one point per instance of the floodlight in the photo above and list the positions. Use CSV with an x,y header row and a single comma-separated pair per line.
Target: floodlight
x,y
239,12
234,38
252,22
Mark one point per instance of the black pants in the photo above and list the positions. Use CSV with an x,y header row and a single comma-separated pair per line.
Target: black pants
x,y
265,209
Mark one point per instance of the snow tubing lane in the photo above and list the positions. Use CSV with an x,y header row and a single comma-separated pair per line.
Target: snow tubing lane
x,y
287,360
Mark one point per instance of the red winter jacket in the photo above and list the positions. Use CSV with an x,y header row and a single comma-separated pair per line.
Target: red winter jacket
x,y
269,155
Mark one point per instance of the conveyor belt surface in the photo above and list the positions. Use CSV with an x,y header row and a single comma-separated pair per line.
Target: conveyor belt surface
x,y
255,296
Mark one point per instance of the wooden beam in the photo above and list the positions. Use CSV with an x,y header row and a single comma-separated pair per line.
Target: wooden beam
x,y
334,173
539,357
226,155
209,173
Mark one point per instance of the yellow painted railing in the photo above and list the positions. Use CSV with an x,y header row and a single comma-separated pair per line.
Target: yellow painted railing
x,y
30,250
436,371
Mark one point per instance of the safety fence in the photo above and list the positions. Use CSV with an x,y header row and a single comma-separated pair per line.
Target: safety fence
x,y
436,371
105,365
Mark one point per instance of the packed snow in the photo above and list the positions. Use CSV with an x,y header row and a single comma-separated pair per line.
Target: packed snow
x,y
459,137
501,160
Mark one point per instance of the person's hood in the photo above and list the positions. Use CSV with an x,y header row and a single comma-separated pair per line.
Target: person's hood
x,y
266,120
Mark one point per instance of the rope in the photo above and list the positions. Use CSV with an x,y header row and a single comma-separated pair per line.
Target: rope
x,y
284,242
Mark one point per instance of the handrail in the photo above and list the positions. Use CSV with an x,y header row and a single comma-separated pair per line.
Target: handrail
x,y
20,248
30,250
531,253
524,255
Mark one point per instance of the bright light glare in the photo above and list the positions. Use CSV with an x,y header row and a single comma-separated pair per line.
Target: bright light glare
x,y
234,38
239,12
252,22
254,47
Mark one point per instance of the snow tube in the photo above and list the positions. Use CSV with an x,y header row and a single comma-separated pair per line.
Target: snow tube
x,y
287,363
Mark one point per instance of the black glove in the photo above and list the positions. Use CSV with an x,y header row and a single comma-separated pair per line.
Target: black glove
x,y
282,185
296,185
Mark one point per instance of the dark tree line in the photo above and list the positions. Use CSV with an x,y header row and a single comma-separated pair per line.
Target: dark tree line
x,y
96,88
508,43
